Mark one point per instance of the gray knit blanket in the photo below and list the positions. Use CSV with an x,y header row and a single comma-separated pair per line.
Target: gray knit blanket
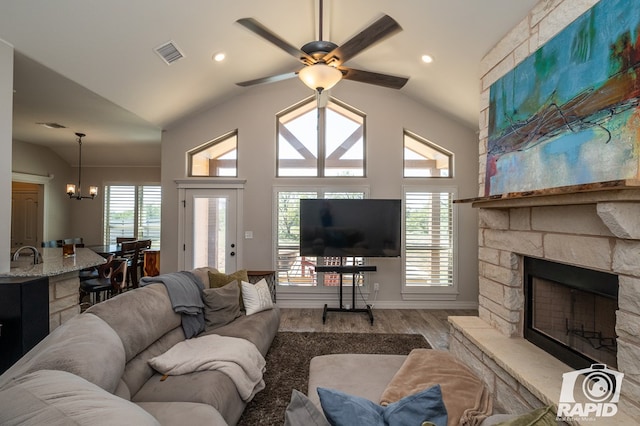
x,y
185,293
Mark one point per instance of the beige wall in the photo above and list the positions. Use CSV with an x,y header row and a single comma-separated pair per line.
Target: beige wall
x,y
388,113
36,160
65,218
6,114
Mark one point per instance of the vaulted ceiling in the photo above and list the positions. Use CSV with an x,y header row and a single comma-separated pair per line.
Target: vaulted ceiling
x,y
91,65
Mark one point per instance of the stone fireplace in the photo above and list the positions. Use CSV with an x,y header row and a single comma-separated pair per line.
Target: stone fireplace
x,y
597,230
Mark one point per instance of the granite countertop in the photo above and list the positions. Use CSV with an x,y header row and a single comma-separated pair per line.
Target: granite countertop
x,y
53,263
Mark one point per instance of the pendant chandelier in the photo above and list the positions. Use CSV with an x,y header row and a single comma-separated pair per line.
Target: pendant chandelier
x,y
72,190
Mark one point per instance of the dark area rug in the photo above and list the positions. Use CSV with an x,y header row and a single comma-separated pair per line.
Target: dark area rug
x,y
288,365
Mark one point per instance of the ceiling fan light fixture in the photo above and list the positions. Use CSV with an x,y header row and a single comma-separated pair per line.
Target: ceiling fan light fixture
x,y
320,76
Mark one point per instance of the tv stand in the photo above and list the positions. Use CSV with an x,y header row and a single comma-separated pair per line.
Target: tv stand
x,y
341,270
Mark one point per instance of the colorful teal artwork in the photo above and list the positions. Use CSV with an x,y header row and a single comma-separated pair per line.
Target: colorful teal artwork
x,y
569,114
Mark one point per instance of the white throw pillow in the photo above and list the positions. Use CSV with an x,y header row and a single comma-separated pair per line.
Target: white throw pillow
x,y
256,297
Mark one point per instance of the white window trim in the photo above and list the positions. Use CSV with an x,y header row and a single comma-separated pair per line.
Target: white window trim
x,y
431,292
312,293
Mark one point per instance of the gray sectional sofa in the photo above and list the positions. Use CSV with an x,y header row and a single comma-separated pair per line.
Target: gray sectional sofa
x,y
94,368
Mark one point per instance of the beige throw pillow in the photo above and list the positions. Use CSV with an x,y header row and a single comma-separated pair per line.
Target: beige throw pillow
x,y
218,279
257,297
221,305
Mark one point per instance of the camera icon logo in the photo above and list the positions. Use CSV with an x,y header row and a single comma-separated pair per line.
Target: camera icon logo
x,y
590,392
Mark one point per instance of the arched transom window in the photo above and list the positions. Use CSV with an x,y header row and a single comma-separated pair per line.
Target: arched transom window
x,y
321,142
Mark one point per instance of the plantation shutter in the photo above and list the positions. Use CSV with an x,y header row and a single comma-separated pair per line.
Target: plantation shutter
x,y
429,238
119,212
149,203
132,211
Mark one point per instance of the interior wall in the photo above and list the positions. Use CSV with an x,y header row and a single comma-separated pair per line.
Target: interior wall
x,y
387,112
41,161
6,126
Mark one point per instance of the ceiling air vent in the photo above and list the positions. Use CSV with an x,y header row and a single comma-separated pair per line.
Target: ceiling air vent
x,y
169,52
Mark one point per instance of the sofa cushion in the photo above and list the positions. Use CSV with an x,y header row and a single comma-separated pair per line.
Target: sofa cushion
x,y
213,388
259,329
60,398
256,297
138,371
202,274
182,413
347,410
140,316
85,345
221,305
218,279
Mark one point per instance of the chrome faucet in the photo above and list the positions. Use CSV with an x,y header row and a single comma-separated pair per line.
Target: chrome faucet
x,y
36,254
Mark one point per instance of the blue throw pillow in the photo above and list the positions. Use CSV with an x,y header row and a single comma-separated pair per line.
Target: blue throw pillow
x,y
342,409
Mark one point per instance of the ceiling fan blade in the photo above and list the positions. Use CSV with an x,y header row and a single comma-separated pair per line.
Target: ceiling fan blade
x,y
382,28
270,79
384,80
262,31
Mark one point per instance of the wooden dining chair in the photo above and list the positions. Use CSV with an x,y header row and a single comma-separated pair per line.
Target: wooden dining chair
x,y
120,240
129,251
112,281
142,246
100,271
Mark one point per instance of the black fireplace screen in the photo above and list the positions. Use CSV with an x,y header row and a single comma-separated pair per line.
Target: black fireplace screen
x,y
571,312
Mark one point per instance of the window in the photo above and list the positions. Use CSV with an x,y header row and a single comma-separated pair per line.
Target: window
x,y
429,238
132,210
320,142
293,269
425,159
218,157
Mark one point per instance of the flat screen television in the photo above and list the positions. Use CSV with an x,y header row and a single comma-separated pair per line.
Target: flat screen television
x,y
347,227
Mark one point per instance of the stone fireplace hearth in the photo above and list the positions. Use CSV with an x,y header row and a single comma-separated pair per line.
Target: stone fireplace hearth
x,y
598,230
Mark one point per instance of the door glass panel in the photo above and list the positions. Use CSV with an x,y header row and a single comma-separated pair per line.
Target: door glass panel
x,y
209,232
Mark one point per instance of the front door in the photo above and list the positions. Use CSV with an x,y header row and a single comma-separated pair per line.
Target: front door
x,y
211,229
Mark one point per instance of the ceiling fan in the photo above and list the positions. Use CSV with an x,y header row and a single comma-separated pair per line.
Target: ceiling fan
x,y
323,60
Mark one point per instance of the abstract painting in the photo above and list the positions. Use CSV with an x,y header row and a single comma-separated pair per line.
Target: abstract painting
x,y
569,114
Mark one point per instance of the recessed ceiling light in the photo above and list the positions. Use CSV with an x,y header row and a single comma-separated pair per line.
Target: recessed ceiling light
x,y
219,57
427,59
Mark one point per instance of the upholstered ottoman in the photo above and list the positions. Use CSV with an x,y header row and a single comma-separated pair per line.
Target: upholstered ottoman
x,y
356,374
390,377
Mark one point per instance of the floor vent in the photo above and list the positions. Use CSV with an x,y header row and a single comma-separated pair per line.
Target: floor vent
x,y
169,52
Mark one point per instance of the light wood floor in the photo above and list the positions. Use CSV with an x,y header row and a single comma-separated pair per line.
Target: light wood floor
x,y
432,324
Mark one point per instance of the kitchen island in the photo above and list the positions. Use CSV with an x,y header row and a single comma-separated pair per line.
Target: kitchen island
x,y
63,277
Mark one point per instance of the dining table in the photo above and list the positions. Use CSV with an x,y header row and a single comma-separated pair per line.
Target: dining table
x,y
107,249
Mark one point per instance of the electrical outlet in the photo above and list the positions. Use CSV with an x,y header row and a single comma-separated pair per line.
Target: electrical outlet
x,y
376,286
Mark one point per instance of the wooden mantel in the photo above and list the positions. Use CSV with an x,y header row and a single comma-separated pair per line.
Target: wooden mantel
x,y
627,190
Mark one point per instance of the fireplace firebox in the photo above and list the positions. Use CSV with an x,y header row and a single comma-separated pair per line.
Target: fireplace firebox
x,y
570,312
